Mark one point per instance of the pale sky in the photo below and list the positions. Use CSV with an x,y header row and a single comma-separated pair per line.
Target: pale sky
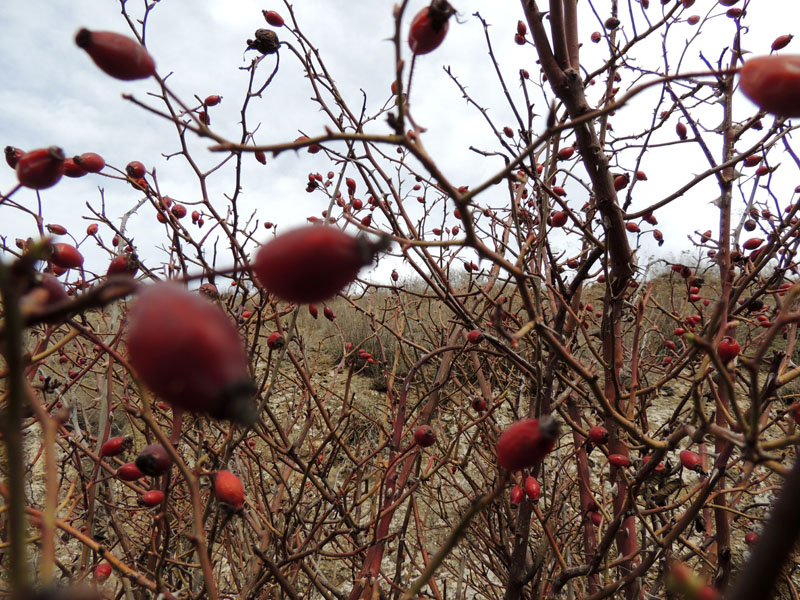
x,y
52,94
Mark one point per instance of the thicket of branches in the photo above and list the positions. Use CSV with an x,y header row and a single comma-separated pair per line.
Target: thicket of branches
x,y
340,502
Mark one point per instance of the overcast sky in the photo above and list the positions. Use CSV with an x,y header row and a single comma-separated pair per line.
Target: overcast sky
x,y
52,94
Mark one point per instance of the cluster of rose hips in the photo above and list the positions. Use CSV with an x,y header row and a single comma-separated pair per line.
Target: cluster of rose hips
x,y
154,461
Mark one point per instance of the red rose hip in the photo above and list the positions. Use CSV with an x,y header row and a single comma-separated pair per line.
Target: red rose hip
x,y
40,169
91,162
598,435
135,169
66,256
275,341
532,488
525,443
692,461
273,18
129,472
117,55
312,263
429,27
517,493
114,446
123,264
619,460
773,83
229,490
154,460
728,349
102,572
73,169
425,436
559,219
187,351
152,497
475,336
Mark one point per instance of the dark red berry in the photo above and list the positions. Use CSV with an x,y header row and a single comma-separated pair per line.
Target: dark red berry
x,y
478,404
691,460
123,264
135,169
45,293
102,572
566,152
425,436
559,219
752,243
782,41
154,460
273,18
773,83
56,229
117,55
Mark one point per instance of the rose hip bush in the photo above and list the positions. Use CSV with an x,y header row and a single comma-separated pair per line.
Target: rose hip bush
x,y
555,416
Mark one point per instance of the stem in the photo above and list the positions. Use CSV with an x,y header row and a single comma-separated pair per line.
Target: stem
x,y
761,571
13,431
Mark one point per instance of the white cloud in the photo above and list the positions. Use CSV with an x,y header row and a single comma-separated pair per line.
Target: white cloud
x,y
53,94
